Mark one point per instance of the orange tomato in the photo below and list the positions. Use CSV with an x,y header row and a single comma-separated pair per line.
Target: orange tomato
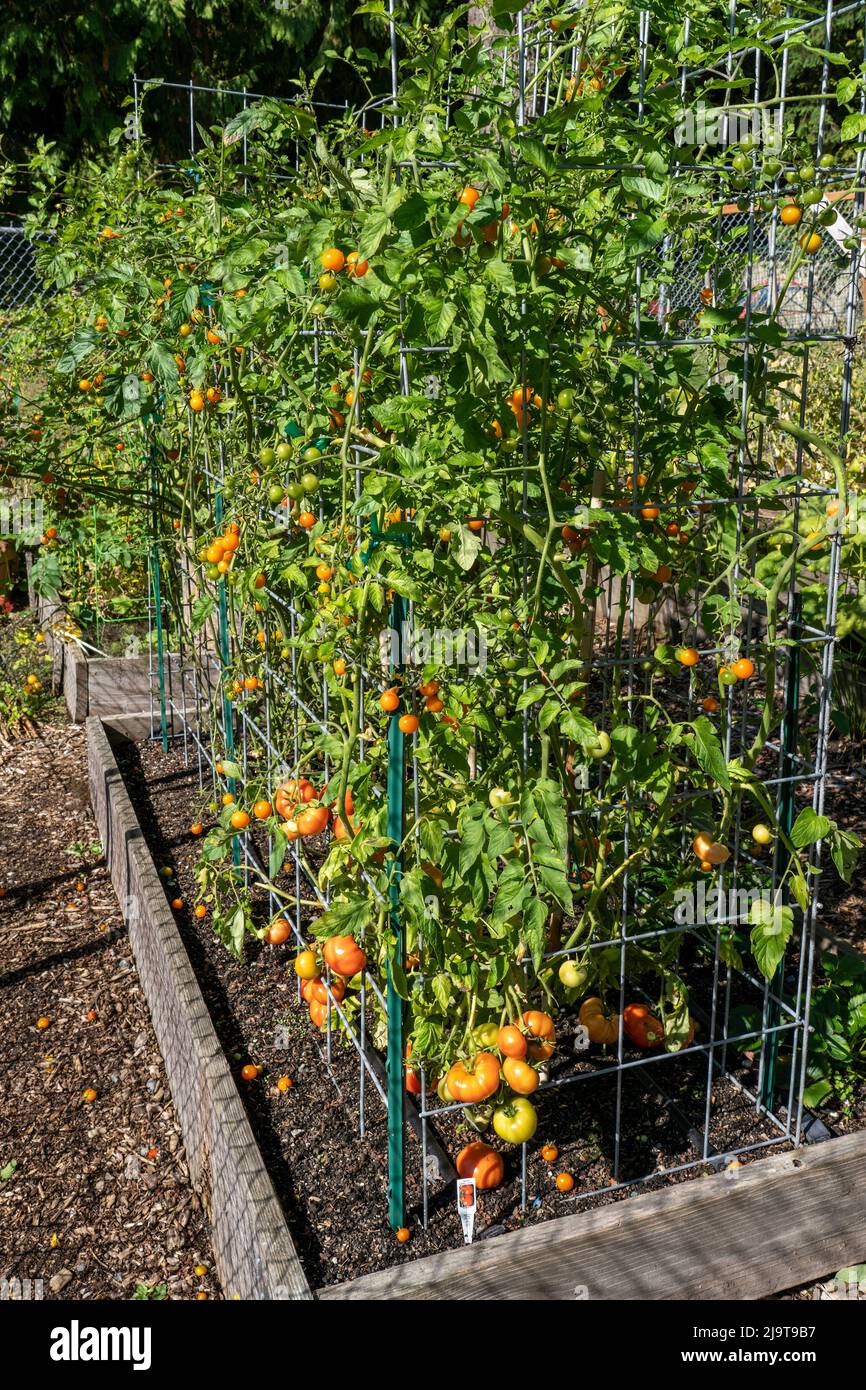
x,y
520,1076
542,1033
470,1085
641,1027
601,1026
483,1163
511,1042
312,820
344,955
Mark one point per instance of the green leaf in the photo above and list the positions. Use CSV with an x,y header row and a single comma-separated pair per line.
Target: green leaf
x,y
770,938
845,847
808,828
510,892
6,1173
81,345
374,232
201,611
346,917
538,155
466,549
531,696
398,975
279,849
646,188
817,1093
708,752
244,122
471,842
161,359
853,125
535,930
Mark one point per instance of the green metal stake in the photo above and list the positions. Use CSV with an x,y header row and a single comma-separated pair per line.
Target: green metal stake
x,y
157,606
394,1061
786,820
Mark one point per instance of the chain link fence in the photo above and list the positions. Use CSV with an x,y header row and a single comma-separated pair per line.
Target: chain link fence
x,y
830,270
20,280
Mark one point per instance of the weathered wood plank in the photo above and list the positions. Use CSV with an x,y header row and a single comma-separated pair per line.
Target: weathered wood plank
x,y
740,1234
255,1254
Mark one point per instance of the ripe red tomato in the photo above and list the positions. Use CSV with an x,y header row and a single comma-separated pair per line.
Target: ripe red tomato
x,y
344,955
641,1027
483,1163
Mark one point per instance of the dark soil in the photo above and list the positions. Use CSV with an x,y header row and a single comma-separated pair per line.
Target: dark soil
x,y
331,1181
95,1198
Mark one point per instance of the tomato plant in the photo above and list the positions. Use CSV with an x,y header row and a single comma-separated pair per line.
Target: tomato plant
x,y
433,363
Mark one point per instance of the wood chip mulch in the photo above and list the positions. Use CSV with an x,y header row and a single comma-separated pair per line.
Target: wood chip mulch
x,y
95,1197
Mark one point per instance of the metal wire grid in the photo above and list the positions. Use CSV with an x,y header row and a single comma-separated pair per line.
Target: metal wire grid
x,y
195,685
20,280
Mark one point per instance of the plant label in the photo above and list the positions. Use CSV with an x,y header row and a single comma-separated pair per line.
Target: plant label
x,y
466,1206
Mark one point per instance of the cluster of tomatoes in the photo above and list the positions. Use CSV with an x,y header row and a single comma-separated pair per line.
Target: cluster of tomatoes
x,y
389,701
639,1024
344,959
334,261
218,554
307,811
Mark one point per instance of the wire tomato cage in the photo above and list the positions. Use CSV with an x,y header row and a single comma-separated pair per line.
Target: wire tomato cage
x,y
594,355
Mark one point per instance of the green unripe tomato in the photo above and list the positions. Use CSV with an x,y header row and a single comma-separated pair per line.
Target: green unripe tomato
x,y
572,975
309,482
827,216
498,797
213,572
275,494
826,161
267,458
810,197
516,1121
727,677
443,1092
806,173
600,747
295,491
762,834
311,453
772,168
283,452
565,400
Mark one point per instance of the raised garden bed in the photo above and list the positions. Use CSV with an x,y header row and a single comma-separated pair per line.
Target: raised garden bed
x,y
110,687
327,1185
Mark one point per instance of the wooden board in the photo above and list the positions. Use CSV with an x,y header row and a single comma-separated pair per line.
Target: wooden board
x,y
740,1234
